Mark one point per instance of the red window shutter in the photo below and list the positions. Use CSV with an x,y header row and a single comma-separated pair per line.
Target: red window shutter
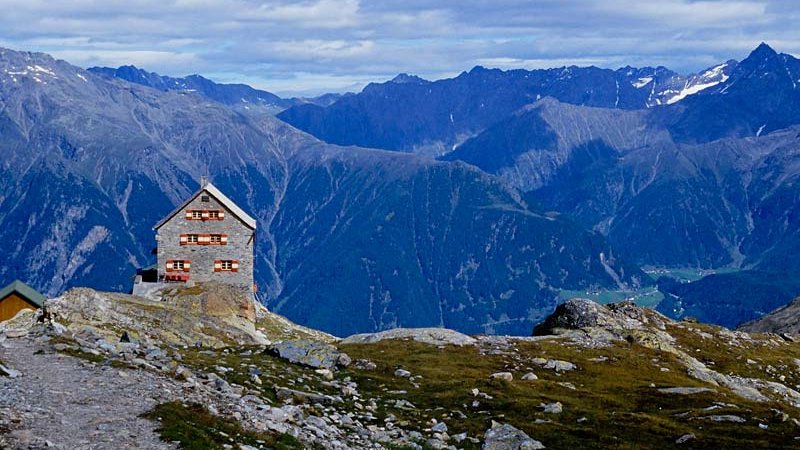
x,y
205,215
221,215
169,265
186,265
223,240
218,266
188,214
184,239
235,266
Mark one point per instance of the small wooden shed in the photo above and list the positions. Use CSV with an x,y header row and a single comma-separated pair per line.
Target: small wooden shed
x,y
18,296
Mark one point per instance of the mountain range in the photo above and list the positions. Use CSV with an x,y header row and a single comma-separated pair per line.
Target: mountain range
x,y
467,203
701,172
414,115
349,239
233,95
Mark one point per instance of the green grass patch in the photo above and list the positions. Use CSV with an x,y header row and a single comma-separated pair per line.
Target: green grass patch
x,y
195,428
97,359
75,352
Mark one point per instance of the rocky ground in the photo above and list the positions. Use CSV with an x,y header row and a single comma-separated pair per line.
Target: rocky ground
x,y
58,401
137,374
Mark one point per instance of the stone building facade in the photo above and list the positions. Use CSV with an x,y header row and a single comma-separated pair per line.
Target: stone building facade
x,y
207,238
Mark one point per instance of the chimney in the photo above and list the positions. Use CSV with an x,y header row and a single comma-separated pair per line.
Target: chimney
x,y
203,181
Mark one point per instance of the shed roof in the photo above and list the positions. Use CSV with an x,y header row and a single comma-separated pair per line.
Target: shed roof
x,y
222,198
23,290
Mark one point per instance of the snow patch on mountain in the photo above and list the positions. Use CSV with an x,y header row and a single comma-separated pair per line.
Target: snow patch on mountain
x,y
39,69
642,82
705,80
690,90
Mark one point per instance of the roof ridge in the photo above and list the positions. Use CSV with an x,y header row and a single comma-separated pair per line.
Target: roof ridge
x,y
34,296
222,198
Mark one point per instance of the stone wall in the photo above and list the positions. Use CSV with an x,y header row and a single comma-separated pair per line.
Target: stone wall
x,y
240,245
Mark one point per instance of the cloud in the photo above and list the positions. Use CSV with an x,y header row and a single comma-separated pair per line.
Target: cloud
x,y
298,46
142,58
320,14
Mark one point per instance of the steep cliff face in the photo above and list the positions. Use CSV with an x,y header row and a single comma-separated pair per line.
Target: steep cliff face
x,y
726,202
349,239
399,241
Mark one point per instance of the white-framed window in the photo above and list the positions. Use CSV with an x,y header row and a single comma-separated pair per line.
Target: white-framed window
x,y
197,215
178,264
226,265
192,238
213,214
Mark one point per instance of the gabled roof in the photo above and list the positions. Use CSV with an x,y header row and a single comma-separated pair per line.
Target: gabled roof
x,y
23,290
222,198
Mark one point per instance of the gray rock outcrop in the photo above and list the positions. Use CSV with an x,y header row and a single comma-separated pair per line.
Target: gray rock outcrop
x,y
432,336
615,318
507,437
318,355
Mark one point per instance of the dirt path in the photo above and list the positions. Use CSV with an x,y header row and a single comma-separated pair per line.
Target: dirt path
x,y
65,403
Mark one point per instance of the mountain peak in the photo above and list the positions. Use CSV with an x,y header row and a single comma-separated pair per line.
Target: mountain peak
x,y
404,78
764,62
762,51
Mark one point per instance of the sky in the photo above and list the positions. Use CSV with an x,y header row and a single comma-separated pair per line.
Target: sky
x,y
316,46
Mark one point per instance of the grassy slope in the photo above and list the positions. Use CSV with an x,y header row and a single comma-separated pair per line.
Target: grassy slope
x,y
615,397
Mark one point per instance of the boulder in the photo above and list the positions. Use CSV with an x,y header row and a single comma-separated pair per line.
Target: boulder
x,y
440,427
507,437
364,364
725,418
9,372
552,408
431,336
318,355
582,314
554,364
505,376
559,366
685,390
